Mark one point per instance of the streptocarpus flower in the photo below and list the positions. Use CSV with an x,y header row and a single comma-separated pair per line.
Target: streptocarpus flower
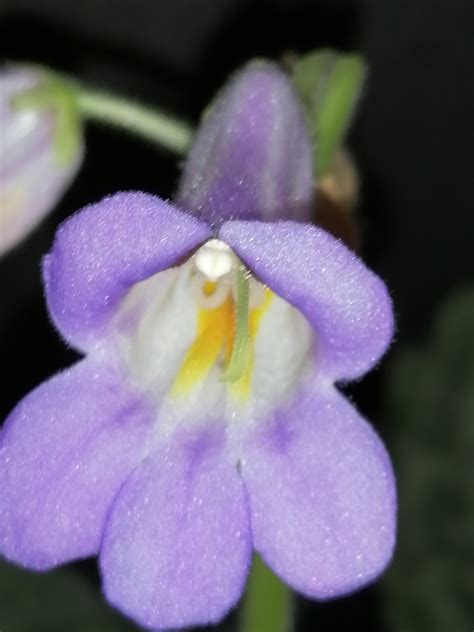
x,y
32,177
145,452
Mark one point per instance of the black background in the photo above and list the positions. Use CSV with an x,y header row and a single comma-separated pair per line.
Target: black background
x,y
412,139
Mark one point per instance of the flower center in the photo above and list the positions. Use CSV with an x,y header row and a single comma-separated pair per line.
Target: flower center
x,y
180,331
226,322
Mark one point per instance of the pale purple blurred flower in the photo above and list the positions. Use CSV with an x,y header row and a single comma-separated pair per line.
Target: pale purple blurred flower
x,y
32,179
141,453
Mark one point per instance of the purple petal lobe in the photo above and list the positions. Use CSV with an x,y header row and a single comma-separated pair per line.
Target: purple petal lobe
x,y
64,452
345,302
321,495
100,252
177,546
252,155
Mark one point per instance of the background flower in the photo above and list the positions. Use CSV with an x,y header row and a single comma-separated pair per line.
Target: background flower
x,y
33,176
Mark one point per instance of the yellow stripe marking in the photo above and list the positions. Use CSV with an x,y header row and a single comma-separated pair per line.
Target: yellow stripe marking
x,y
213,343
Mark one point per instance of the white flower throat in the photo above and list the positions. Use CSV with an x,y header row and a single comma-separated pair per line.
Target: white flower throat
x,y
185,328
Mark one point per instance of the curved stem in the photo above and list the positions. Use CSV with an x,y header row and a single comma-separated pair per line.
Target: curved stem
x,y
136,118
268,603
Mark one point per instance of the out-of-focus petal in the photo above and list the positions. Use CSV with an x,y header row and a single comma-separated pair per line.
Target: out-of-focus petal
x,y
177,545
31,178
346,303
321,494
252,155
103,250
65,451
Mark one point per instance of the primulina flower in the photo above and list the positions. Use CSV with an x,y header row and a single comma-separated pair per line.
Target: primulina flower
x,y
204,421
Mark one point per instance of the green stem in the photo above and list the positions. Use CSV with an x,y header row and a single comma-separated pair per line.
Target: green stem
x,y
138,119
268,603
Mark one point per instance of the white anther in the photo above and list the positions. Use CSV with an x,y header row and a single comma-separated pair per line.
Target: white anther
x,y
214,259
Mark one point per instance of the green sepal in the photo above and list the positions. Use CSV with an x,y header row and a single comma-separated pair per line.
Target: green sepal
x,y
329,85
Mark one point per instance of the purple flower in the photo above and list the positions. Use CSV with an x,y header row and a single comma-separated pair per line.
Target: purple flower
x,y
32,179
142,453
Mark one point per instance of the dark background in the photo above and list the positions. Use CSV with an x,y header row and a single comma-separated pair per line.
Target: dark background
x,y
412,139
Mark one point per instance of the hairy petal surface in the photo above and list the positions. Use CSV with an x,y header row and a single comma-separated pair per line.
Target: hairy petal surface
x,y
252,154
64,452
345,302
322,495
103,250
177,545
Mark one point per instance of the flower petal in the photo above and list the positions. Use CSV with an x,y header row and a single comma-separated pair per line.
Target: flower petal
x,y
252,155
177,546
345,302
321,495
64,452
99,253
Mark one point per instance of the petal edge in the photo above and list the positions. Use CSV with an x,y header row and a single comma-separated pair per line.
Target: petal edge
x,y
65,450
322,496
101,251
346,303
177,545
